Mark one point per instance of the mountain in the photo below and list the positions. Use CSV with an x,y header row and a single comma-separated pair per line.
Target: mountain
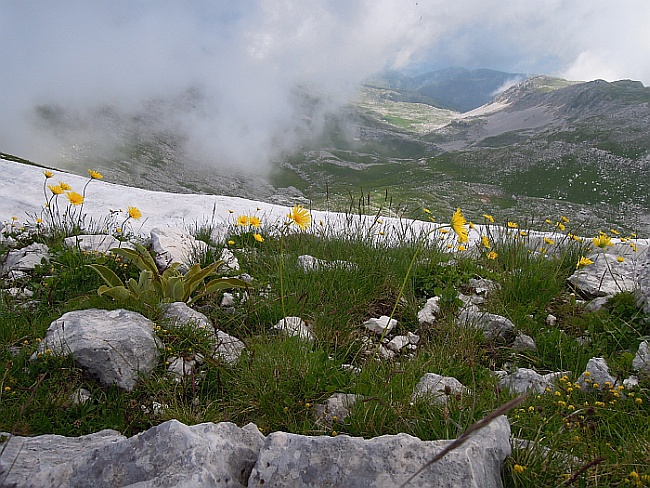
x,y
543,147
456,89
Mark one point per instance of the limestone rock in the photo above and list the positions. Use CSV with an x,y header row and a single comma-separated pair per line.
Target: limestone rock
x,y
116,346
524,342
295,461
310,263
606,277
397,343
23,260
180,313
427,315
230,261
641,361
21,458
95,243
551,320
335,409
596,372
596,304
437,388
493,326
228,348
525,379
381,325
168,455
643,290
294,326
175,246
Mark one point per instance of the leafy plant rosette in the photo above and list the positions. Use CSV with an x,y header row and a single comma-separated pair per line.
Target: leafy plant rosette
x,y
154,288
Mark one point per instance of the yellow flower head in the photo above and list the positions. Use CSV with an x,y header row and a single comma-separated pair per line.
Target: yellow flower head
x,y
560,226
486,242
134,213
56,189
95,175
75,198
548,241
564,219
620,259
427,211
258,237
512,225
254,221
523,233
458,223
584,262
603,241
242,220
64,186
300,216
462,248
492,255
489,218
471,225
231,243
519,468
48,174
614,232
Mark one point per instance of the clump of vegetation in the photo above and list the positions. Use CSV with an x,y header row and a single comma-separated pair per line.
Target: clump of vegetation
x,y
567,435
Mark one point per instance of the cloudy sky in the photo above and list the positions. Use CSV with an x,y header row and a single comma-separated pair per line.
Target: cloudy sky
x,y
226,73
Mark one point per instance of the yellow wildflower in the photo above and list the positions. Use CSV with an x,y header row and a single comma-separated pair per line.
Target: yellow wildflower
x,y
458,223
118,230
620,259
489,218
75,198
512,225
614,232
633,246
95,175
603,241
638,400
300,216
258,237
548,221
427,211
48,174
462,248
564,219
486,242
584,262
231,243
560,226
523,233
519,468
39,221
134,213
548,241
242,220
64,186
56,189
471,225
254,221
492,255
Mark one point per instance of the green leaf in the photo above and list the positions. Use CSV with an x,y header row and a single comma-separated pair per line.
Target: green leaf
x,y
119,293
106,274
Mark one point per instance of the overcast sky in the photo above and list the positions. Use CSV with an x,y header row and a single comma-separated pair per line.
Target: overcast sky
x,y
247,57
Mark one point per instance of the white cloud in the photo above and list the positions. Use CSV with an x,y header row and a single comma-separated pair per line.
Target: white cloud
x,y
247,58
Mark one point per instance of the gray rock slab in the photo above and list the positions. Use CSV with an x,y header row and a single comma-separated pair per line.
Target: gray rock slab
x,y
95,243
525,379
427,315
335,409
437,388
596,373
606,277
168,455
294,327
641,361
172,245
643,290
25,259
493,326
116,346
380,325
294,461
23,457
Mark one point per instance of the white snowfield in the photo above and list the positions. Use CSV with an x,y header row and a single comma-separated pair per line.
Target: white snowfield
x,y
22,200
